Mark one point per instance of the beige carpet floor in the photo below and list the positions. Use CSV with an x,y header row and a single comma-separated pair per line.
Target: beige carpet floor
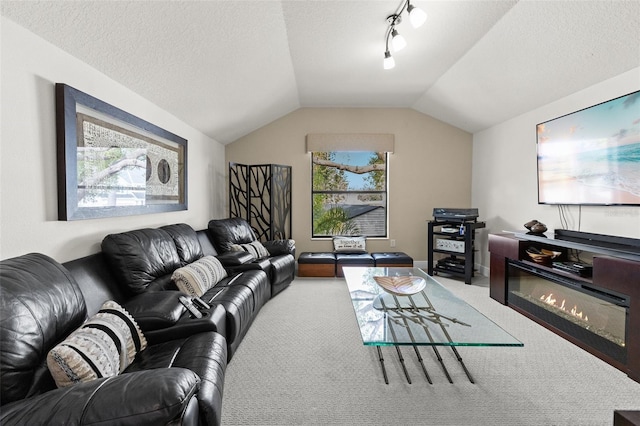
x,y
303,363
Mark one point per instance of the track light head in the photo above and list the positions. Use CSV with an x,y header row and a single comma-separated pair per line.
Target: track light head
x,y
417,16
397,41
389,62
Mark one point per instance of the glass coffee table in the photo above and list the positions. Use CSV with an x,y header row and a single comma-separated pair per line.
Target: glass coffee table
x,y
406,307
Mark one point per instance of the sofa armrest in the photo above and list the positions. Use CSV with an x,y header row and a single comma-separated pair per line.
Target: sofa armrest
x,y
213,319
256,264
235,258
278,247
162,317
156,310
125,400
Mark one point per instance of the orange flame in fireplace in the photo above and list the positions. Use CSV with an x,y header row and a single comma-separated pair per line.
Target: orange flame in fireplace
x,y
550,300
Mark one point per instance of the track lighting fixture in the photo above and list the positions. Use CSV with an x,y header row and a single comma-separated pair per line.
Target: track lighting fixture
x,y
417,17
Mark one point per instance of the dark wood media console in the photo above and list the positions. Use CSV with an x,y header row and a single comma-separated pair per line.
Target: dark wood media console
x,y
615,281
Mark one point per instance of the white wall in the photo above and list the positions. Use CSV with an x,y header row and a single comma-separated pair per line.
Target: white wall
x,y
504,185
28,191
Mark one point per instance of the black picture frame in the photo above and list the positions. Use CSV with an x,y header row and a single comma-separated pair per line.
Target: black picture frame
x,y
112,163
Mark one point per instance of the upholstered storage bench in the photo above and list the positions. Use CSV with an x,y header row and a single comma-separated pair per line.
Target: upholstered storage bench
x,y
352,259
321,264
395,259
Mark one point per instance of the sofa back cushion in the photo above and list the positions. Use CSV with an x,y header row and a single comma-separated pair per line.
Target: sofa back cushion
x,y
226,232
40,304
186,241
140,257
96,281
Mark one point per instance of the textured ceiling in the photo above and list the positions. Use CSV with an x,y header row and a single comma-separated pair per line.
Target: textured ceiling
x,y
230,67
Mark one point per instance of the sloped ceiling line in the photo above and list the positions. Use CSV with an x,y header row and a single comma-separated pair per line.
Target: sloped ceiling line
x,y
229,67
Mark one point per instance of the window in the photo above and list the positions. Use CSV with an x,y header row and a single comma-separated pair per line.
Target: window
x,y
349,193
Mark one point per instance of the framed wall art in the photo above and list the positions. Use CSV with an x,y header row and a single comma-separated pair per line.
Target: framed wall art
x,y
111,163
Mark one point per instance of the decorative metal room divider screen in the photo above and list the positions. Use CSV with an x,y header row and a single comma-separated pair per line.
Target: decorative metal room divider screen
x,y
261,194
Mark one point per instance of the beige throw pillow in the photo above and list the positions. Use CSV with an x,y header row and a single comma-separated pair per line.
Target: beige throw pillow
x,y
198,277
103,346
255,248
348,244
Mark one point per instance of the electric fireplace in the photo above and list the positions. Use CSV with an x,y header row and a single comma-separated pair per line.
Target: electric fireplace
x,y
599,313
594,316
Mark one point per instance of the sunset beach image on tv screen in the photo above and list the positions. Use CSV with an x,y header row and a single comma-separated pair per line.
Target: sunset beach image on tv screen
x,y
592,156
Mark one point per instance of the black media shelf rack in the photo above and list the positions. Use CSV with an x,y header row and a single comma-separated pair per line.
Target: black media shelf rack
x,y
459,247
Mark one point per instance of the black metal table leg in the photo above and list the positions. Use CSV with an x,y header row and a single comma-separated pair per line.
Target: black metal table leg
x,y
384,370
464,367
446,333
435,349
415,348
393,334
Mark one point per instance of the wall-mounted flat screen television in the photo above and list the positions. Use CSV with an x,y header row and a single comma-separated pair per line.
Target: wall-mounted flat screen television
x,y
592,156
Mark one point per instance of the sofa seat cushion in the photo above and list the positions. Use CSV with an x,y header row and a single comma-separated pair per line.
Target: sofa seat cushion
x,y
198,277
205,354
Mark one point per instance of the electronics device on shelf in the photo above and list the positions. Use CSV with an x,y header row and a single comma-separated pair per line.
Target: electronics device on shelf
x,y
450,245
590,157
444,213
451,263
450,230
190,307
582,269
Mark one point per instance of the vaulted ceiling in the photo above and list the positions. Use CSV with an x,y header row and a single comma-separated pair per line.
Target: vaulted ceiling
x,y
229,67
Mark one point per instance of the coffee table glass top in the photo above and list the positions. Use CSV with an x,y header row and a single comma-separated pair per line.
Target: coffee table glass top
x,y
405,306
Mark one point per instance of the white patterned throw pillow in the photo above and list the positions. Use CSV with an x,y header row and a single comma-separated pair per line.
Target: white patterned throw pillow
x,y
350,244
102,347
255,248
117,316
198,277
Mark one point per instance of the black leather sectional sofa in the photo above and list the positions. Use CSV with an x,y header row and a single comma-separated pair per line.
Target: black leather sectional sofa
x,y
179,377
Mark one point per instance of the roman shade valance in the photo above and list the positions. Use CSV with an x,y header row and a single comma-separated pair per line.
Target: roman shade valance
x,y
329,142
